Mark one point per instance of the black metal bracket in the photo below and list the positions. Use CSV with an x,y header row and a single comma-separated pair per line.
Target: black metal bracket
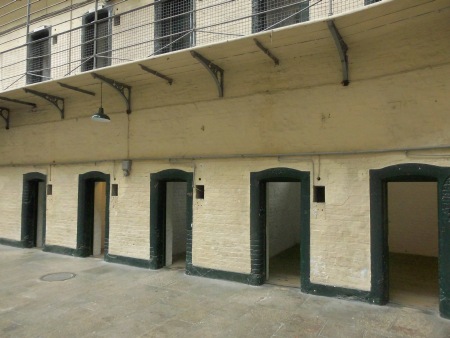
x,y
18,101
342,49
4,113
215,71
76,89
154,72
58,102
123,89
267,52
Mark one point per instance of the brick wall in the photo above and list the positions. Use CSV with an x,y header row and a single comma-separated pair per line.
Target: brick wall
x,y
297,107
340,228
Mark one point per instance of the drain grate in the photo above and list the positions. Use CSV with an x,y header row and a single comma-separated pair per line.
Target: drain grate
x,y
58,276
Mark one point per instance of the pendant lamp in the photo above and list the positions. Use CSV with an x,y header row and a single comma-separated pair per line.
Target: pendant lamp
x,y
100,116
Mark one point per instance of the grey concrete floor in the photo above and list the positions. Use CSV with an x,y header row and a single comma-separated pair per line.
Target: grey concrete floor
x,y
112,300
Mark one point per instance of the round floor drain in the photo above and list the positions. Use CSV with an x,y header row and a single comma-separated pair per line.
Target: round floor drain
x,y
58,276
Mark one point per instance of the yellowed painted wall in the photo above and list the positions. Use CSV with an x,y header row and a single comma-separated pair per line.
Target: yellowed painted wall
x,y
340,228
365,115
11,182
297,107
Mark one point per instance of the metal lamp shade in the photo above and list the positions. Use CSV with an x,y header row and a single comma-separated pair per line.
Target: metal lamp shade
x,y
100,116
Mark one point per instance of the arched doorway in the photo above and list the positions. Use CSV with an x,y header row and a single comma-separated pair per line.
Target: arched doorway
x,y
381,186
171,219
93,214
280,244
33,210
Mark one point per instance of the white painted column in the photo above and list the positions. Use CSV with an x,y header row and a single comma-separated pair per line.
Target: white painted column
x,y
99,218
169,222
40,215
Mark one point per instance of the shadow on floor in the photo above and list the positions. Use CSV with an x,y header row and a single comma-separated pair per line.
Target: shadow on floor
x,y
178,261
414,281
284,268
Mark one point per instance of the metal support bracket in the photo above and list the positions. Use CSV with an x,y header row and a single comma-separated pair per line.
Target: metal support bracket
x,y
4,113
267,52
215,71
154,72
123,89
57,101
33,105
76,89
342,49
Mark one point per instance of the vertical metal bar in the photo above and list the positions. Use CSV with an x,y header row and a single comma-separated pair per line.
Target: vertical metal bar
x,y
1,71
69,64
330,7
95,34
193,23
27,38
28,17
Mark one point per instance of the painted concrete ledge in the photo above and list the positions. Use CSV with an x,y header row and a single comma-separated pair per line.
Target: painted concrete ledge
x,y
11,242
136,262
59,250
339,292
249,279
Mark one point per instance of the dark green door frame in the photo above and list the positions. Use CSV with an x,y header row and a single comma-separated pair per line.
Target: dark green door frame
x,y
411,172
30,197
158,214
86,186
258,182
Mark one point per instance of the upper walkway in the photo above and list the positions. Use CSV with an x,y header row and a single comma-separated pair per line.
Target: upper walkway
x,y
52,40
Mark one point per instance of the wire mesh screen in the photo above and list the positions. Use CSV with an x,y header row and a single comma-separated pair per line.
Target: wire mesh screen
x,y
173,25
96,37
81,39
38,60
270,14
132,35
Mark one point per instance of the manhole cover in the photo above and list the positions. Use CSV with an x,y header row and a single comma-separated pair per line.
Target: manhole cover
x,y
58,276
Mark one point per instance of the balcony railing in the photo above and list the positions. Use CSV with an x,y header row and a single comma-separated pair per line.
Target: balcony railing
x,y
60,40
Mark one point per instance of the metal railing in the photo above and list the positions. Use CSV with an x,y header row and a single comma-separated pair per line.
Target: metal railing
x,y
38,44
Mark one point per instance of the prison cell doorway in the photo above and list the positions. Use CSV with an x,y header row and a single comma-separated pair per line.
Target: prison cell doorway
x,y
279,227
33,210
282,218
414,252
412,218
99,215
171,219
93,205
175,224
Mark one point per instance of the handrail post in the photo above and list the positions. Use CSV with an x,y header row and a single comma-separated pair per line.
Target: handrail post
x,y
94,52
330,7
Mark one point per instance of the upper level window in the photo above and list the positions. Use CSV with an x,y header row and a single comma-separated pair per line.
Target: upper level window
x,y
96,41
278,13
368,2
173,25
38,60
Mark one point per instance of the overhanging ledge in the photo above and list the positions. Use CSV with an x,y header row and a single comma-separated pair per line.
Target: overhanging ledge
x,y
297,42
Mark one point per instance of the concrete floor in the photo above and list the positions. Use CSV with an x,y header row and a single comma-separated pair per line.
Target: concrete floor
x,y
414,281
112,300
284,268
